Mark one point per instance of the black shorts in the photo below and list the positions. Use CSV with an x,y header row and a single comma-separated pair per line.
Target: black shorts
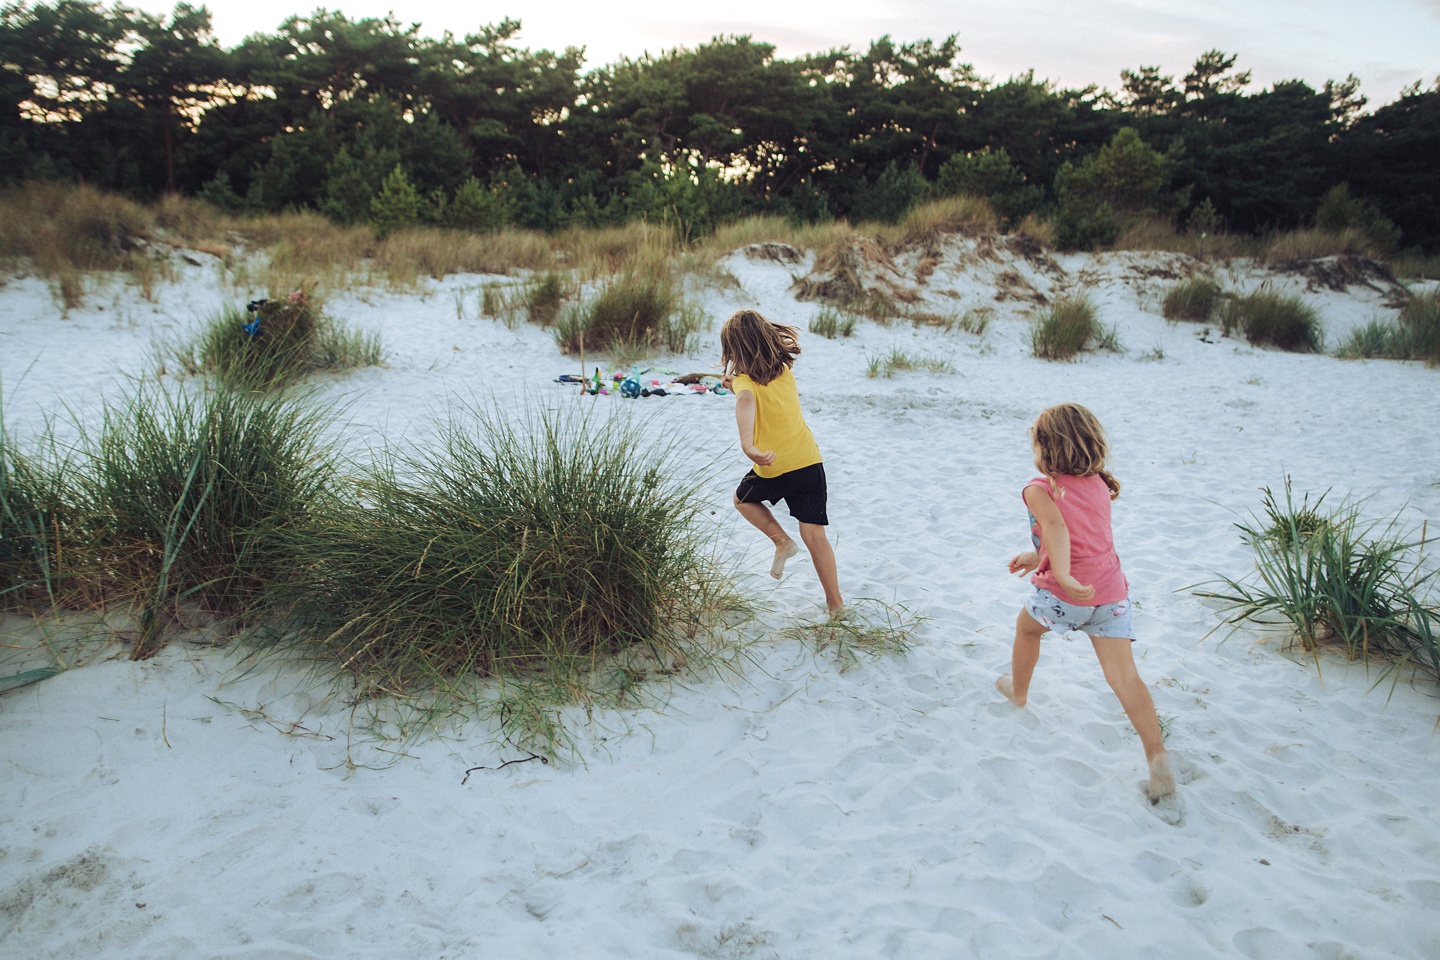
x,y
802,490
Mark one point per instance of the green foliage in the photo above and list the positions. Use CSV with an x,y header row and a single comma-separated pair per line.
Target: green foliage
x,y
293,338
1416,335
1334,577
630,312
831,323
891,196
190,496
535,549
1279,319
1196,300
898,361
397,205
1127,180
35,498
1340,211
990,174
1067,327
543,298
474,207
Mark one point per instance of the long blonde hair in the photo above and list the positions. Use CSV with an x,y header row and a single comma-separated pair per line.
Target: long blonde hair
x,y
1069,441
759,348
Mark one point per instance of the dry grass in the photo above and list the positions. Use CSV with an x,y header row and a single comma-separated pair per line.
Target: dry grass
x,y
1298,246
928,224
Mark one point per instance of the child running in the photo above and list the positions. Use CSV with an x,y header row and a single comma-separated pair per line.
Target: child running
x,y
757,355
1078,581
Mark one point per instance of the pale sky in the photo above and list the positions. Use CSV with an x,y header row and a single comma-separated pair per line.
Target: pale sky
x,y
1388,44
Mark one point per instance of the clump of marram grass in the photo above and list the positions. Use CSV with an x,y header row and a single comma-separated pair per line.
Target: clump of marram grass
x,y
275,342
1267,317
1195,300
1335,578
1067,327
898,361
529,550
188,497
630,313
1415,335
543,297
35,500
831,323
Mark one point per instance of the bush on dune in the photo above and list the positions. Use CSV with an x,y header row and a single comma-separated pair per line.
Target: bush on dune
x,y
185,495
1195,300
549,542
1267,317
1069,326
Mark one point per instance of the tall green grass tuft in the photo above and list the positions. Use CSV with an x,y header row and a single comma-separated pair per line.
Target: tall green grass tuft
x,y
1416,335
1195,300
831,323
276,343
190,498
1067,327
530,548
1334,577
629,313
1267,317
34,501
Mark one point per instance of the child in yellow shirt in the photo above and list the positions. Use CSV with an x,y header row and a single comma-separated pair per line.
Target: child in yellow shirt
x,y
757,355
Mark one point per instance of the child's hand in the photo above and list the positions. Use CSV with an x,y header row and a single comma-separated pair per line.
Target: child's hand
x,y
763,457
1024,563
727,380
1074,589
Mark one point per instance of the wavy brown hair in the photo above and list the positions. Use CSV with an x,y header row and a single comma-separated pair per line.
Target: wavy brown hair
x,y
1069,441
759,348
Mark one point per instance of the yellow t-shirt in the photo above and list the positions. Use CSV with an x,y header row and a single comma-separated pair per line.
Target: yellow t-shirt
x,y
779,425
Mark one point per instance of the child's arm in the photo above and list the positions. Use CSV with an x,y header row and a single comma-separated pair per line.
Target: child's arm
x,y
1056,536
745,419
1023,563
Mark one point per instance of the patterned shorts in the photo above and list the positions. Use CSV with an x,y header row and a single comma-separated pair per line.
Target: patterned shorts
x,y
1106,620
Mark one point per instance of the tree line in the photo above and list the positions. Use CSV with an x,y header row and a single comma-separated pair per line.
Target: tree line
x,y
369,120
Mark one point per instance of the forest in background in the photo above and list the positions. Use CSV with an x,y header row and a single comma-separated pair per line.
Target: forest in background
x,y
369,121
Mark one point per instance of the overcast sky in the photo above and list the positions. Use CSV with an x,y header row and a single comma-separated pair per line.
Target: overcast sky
x,y
1388,44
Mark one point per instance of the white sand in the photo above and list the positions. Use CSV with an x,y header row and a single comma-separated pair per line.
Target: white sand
x,y
189,807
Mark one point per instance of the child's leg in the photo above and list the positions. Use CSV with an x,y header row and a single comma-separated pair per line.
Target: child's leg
x,y
1118,663
763,520
1023,656
824,559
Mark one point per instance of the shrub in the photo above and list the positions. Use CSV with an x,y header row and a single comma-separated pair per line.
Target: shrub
x,y
1283,320
1415,337
831,323
630,312
188,496
274,342
1066,328
1195,300
547,542
1336,578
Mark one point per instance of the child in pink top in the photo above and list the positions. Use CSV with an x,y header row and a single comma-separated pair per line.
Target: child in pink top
x,y
1078,581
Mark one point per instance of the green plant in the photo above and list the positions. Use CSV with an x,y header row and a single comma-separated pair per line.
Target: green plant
x,y
831,323
1282,320
1067,327
533,549
897,361
865,627
188,496
1195,300
275,342
1334,577
543,298
35,499
631,311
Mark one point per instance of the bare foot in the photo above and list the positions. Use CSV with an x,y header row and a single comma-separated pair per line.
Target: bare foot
x,y
1162,778
1006,686
782,553
840,612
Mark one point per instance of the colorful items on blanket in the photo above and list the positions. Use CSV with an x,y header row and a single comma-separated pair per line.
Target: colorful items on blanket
x,y
645,382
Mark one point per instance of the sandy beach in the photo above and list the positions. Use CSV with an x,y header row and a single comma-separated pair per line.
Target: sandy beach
x,y
802,805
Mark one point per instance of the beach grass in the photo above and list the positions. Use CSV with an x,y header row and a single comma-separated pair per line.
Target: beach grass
x,y
831,323
1067,327
35,500
531,550
273,343
898,361
1195,300
1337,578
1279,319
1414,336
867,627
629,313
185,495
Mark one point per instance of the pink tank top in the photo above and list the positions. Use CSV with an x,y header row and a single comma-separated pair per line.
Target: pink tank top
x,y
1084,504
